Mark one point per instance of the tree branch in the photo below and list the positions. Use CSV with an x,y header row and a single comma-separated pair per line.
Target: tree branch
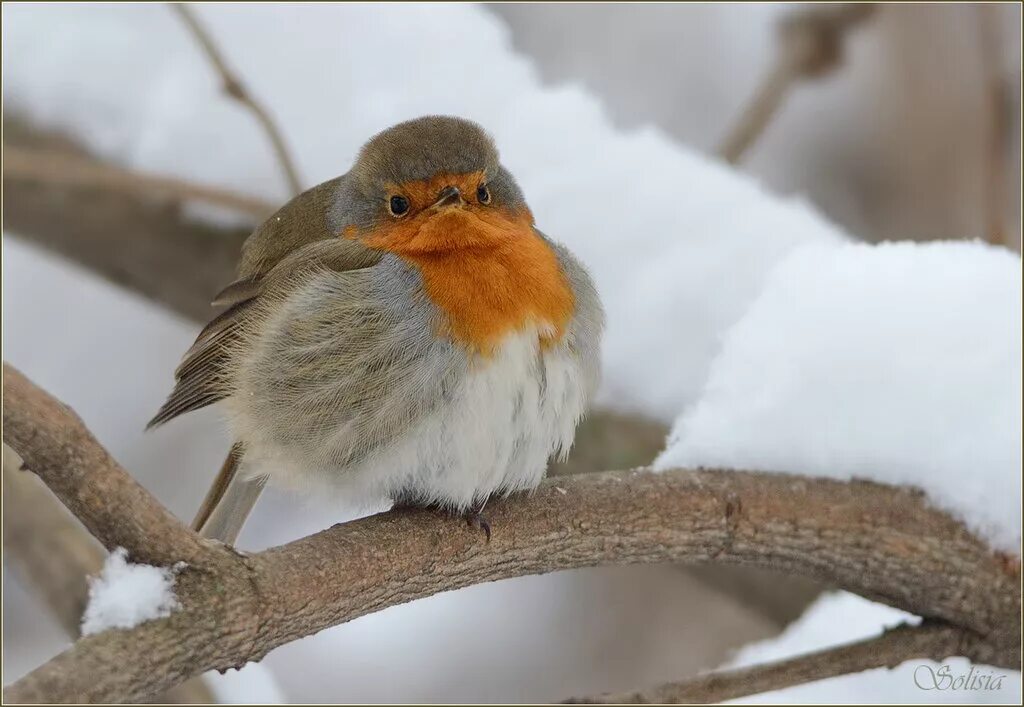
x,y
895,646
810,45
59,169
54,443
234,88
52,555
884,543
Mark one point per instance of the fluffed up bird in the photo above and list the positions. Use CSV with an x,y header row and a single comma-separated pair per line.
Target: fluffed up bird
x,y
402,331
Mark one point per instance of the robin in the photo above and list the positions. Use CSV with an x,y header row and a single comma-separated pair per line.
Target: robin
x,y
402,331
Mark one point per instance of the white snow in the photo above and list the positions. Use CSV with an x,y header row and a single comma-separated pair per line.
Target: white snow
x,y
839,618
898,362
125,594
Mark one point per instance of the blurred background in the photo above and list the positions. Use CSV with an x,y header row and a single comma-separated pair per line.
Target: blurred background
x,y
131,178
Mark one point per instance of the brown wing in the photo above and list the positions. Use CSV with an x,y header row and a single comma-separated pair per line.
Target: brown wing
x,y
299,236
199,379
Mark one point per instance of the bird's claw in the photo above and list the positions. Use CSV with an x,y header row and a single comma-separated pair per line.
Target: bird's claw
x,y
478,521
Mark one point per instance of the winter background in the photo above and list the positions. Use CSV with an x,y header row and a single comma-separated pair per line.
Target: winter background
x,y
758,311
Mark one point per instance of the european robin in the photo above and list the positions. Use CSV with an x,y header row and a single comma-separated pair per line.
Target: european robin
x,y
402,331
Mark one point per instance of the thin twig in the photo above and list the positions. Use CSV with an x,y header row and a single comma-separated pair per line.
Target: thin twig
x,y
895,646
57,169
885,543
810,45
233,87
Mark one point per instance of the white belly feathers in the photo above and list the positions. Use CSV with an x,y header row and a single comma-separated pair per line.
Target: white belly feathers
x,y
510,413
493,434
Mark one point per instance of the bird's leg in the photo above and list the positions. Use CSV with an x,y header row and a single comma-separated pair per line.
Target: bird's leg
x,y
475,518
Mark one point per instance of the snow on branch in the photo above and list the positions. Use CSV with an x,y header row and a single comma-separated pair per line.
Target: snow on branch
x,y
53,557
126,594
882,542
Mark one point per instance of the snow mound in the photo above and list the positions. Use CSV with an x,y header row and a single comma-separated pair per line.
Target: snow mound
x,y
125,594
899,363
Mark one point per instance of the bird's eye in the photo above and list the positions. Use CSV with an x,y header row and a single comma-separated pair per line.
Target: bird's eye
x,y
399,205
483,195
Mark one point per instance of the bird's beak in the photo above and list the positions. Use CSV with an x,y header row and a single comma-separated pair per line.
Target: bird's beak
x,y
449,196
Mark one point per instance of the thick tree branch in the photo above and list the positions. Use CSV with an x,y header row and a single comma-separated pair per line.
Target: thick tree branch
x,y
234,88
884,543
895,646
810,45
52,555
54,443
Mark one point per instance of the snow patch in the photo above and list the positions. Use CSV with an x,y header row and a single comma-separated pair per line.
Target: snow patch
x,y
125,594
899,363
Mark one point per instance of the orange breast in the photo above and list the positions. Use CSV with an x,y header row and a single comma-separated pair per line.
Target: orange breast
x,y
488,295
488,272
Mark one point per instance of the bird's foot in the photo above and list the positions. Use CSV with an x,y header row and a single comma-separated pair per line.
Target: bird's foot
x,y
476,519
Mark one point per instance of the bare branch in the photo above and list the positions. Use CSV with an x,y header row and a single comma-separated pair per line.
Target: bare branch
x,y
810,45
52,554
884,543
234,88
60,169
893,647
55,444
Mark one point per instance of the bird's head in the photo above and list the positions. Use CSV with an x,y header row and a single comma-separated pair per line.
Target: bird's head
x,y
430,186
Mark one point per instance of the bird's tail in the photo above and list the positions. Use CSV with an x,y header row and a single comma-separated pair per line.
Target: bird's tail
x,y
229,501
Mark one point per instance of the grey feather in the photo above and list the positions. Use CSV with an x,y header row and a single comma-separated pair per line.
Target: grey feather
x,y
587,325
202,377
329,353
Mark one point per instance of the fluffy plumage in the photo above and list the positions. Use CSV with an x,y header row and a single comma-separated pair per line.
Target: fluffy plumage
x,y
436,356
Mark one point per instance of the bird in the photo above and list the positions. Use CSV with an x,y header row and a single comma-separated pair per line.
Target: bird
x,y
401,332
